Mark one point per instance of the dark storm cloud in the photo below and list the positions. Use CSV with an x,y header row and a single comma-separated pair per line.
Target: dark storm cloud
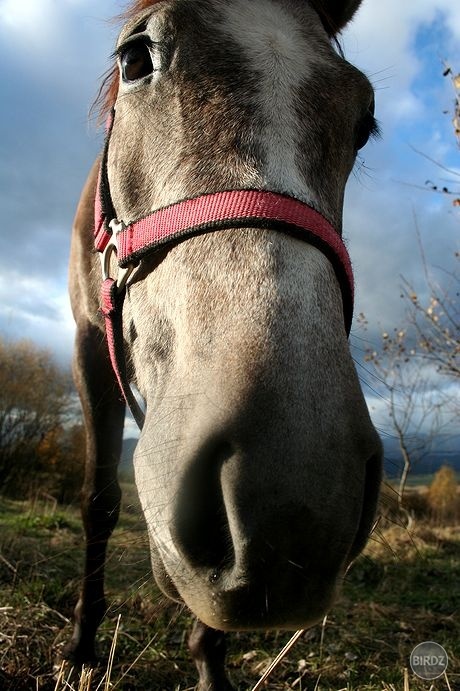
x,y
52,57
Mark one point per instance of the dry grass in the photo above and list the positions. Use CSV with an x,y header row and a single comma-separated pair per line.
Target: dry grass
x,y
404,590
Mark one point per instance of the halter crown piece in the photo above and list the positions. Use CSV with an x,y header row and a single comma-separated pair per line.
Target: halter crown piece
x,y
206,213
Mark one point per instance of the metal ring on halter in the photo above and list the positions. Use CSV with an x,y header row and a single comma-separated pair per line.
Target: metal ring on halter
x,y
123,274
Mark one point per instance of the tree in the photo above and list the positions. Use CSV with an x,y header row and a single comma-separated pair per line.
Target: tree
x,y
436,320
455,79
446,187
417,366
425,348
413,402
60,456
443,497
35,397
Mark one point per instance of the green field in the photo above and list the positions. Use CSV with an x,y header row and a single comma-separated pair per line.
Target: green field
x,y
404,590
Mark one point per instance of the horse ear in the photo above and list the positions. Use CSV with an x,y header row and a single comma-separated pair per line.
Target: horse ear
x,y
335,14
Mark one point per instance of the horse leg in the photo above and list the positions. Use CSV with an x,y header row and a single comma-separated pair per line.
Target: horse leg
x,y
103,412
208,649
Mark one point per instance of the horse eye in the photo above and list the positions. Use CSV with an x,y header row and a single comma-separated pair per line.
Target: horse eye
x,y
136,62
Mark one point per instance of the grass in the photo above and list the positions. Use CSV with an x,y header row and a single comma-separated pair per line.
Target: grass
x,y
402,591
414,481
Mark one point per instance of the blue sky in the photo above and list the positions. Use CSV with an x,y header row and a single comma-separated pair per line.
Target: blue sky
x,y
53,55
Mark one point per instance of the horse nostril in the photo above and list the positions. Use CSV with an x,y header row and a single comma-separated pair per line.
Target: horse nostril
x,y
200,527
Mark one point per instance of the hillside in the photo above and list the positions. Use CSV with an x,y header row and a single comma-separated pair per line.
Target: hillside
x,y
445,450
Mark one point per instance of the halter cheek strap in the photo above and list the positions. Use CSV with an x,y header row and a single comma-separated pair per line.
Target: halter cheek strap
x,y
206,213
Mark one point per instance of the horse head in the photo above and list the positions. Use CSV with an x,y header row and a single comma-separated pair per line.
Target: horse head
x,y
257,466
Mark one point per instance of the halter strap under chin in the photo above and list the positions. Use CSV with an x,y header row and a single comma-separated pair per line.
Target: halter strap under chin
x,y
206,213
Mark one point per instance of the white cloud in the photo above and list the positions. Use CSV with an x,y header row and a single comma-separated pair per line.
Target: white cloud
x,y
381,41
39,18
38,23
37,309
380,209
62,45
26,14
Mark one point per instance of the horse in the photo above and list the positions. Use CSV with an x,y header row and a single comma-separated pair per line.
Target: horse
x,y
215,215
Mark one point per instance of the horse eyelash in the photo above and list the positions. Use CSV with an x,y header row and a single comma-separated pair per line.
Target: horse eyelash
x,y
375,130
132,40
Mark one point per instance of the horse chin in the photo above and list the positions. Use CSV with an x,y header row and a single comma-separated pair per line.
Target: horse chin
x,y
285,599
257,606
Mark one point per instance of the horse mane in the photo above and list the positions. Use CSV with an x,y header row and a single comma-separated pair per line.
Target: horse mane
x,y
108,90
